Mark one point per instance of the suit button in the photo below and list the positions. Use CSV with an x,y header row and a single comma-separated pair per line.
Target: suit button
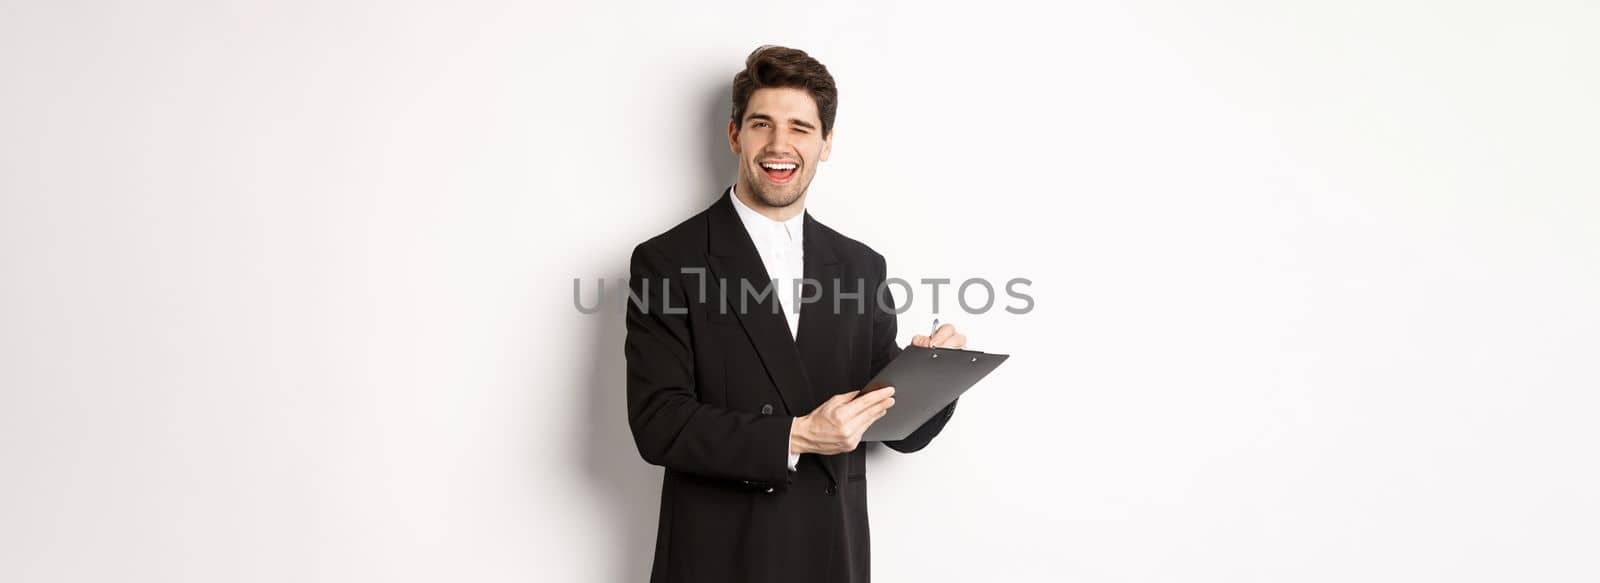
x,y
830,490
766,409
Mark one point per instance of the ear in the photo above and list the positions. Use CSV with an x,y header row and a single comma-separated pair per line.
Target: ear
x,y
827,144
733,137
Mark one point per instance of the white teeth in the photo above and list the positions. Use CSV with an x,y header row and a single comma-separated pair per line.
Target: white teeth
x,y
778,165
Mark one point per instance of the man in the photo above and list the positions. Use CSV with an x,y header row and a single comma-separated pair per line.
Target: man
x,y
751,400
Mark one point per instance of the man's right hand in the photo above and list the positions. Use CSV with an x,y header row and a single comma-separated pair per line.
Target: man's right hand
x,y
836,426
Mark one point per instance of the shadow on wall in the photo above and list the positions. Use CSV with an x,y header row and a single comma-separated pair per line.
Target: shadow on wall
x,y
630,488
720,164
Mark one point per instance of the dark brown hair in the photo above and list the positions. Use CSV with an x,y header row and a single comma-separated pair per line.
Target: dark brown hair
x,y
775,66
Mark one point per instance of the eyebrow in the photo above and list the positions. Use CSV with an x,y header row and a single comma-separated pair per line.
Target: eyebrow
x,y
795,121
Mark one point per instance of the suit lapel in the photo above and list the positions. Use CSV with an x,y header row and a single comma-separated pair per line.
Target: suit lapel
x,y
732,258
819,325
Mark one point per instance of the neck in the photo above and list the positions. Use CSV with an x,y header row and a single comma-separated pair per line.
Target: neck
x,y
779,214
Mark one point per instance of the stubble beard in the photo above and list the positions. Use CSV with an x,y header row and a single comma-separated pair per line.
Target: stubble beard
x,y
778,199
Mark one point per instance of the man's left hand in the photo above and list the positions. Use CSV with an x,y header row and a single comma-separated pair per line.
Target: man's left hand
x,y
945,337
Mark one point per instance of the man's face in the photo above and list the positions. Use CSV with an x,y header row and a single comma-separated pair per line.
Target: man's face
x,y
779,145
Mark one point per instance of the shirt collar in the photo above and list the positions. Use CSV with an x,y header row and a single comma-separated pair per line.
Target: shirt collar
x,y
761,228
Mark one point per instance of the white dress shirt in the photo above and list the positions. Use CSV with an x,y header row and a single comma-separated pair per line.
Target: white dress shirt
x,y
781,245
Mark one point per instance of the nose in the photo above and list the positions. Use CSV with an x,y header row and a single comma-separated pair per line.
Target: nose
x,y
780,142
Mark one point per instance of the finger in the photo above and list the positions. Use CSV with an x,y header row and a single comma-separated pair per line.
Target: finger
x,y
860,423
943,334
866,401
957,341
865,421
919,340
838,400
875,411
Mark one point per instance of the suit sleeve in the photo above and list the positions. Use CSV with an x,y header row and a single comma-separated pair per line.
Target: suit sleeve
x,y
884,329
671,427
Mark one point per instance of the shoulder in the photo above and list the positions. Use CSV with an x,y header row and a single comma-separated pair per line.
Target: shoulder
x,y
850,250
686,240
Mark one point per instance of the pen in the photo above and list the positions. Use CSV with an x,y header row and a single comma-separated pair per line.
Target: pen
x,y
935,331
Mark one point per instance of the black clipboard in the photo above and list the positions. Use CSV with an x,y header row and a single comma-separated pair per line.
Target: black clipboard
x,y
925,380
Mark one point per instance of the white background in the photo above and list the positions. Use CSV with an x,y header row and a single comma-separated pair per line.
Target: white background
x,y
288,286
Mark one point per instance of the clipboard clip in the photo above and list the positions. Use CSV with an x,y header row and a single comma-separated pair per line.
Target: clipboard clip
x,y
934,353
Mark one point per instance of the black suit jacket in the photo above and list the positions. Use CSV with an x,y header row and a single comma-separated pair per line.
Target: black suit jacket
x,y
712,392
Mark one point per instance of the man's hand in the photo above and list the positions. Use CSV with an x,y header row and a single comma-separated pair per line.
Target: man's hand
x,y
945,337
836,426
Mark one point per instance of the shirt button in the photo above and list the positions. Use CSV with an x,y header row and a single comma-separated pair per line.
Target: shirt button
x,y
830,490
766,409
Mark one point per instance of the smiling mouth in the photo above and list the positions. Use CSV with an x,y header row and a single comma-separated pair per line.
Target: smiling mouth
x,y
779,172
